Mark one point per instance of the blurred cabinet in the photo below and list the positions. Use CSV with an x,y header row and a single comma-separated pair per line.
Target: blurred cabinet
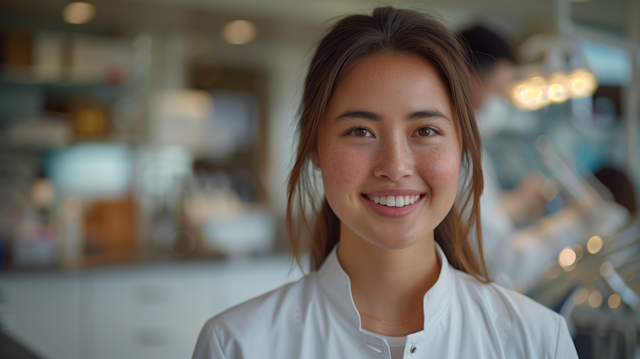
x,y
139,311
42,312
147,312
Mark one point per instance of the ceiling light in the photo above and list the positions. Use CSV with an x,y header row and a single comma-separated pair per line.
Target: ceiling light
x,y
555,71
239,32
78,13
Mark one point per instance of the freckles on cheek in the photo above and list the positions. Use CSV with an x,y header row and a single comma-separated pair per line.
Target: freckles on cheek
x,y
440,167
343,168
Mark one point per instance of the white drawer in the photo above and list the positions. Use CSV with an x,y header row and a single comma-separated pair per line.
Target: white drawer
x,y
42,311
146,313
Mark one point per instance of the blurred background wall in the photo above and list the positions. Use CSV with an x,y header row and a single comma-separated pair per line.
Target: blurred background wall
x,y
145,147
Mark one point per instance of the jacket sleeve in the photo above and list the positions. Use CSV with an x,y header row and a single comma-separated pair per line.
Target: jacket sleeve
x,y
208,345
565,349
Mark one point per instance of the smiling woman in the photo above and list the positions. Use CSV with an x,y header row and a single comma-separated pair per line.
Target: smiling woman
x,y
387,118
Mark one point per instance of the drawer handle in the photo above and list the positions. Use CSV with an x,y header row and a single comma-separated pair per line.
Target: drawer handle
x,y
151,337
150,294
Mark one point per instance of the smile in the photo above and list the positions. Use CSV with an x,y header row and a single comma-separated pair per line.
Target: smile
x,y
394,205
394,201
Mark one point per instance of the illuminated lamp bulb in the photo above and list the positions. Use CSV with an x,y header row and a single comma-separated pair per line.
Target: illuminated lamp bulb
x,y
594,244
614,301
518,95
78,13
582,83
595,299
239,32
558,90
530,95
567,257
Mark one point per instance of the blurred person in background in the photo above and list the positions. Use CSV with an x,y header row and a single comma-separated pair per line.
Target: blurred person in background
x,y
388,120
517,255
620,186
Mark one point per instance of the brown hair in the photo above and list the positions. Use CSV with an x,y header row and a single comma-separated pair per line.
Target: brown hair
x,y
358,36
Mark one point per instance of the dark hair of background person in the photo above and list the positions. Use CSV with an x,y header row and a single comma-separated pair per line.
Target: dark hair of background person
x,y
356,37
487,48
618,183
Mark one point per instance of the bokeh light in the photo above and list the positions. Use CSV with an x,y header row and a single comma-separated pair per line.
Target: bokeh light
x,y
567,257
537,92
558,91
614,301
582,83
530,95
43,193
580,296
594,244
595,299
239,32
606,269
550,189
78,13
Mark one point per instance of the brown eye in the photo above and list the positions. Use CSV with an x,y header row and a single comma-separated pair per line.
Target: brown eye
x,y
425,131
361,132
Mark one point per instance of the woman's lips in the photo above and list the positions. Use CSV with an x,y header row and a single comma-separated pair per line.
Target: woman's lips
x,y
385,210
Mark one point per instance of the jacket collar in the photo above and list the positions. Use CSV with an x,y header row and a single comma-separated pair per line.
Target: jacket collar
x,y
337,286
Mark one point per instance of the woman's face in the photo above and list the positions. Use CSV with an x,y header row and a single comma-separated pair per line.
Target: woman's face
x,y
389,132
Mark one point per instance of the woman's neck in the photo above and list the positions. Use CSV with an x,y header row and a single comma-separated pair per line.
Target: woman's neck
x,y
388,284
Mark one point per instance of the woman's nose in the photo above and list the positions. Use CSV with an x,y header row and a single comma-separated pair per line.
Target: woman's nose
x,y
394,159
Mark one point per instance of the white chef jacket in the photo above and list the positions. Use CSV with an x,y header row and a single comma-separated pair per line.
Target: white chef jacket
x,y
316,318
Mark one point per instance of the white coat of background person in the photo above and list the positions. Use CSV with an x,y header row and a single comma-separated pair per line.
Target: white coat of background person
x,y
517,257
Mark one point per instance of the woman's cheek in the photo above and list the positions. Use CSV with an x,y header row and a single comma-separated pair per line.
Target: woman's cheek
x,y
342,170
440,169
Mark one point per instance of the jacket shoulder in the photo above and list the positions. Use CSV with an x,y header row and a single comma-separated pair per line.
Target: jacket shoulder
x,y
523,325
255,322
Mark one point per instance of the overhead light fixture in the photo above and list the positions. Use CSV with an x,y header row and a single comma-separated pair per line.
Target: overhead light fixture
x,y
239,32
78,13
554,72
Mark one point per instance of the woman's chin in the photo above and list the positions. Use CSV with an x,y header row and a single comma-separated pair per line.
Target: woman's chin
x,y
394,244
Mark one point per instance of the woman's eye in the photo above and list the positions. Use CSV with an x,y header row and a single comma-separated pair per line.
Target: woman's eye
x,y
361,132
425,132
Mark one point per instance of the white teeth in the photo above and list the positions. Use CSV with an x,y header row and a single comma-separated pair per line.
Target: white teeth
x,y
391,201
394,201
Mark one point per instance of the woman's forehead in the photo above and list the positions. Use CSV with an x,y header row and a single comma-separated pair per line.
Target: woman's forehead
x,y
391,80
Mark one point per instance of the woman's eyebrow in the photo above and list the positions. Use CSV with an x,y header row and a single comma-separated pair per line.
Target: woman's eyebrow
x,y
427,114
365,115
418,115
